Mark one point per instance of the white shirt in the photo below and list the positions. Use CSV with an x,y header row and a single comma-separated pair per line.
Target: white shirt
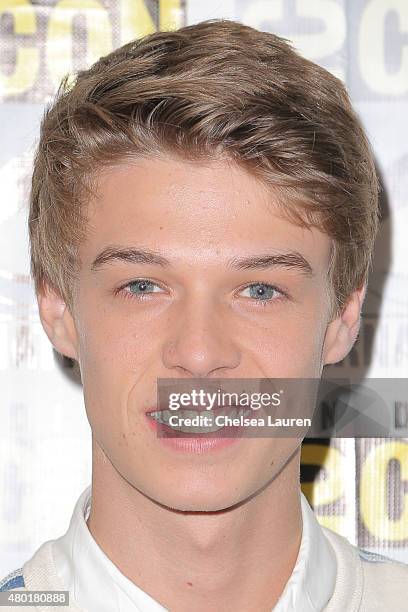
x,y
97,585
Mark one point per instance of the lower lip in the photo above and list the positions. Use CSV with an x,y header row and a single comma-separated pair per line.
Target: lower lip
x,y
202,444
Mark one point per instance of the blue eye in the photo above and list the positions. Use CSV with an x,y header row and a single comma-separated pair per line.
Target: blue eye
x,y
262,292
143,286
139,288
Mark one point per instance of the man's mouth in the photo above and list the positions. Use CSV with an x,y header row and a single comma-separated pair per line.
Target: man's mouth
x,y
198,421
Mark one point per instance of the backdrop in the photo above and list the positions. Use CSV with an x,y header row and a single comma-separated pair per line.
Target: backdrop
x,y
358,487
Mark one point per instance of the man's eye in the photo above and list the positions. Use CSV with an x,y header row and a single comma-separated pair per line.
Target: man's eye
x,y
139,288
262,292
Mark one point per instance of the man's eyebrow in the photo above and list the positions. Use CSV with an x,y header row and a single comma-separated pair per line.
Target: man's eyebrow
x,y
129,255
292,259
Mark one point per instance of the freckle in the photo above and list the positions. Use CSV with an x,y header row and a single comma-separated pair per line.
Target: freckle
x,y
161,227
190,583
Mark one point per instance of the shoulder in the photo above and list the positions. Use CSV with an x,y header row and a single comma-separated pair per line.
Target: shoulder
x,y
376,564
381,581
385,581
13,580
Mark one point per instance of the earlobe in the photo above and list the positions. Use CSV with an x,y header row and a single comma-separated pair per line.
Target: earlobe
x,y
342,332
57,321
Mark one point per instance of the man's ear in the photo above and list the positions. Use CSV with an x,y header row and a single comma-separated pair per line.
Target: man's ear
x,y
342,331
57,321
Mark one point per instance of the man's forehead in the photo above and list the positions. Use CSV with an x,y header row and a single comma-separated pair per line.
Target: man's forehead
x,y
177,179
133,211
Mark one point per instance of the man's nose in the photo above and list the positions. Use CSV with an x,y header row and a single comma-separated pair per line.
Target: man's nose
x,y
199,341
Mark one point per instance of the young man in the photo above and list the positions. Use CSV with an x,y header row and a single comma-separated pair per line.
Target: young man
x,y
204,205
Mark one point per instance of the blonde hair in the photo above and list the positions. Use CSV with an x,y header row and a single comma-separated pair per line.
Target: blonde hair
x,y
216,86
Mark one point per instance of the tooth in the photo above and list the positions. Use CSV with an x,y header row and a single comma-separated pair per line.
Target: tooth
x,y
164,416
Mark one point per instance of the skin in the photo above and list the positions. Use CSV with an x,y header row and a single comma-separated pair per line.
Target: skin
x,y
217,530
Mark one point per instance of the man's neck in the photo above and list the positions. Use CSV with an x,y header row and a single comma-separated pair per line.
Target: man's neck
x,y
239,559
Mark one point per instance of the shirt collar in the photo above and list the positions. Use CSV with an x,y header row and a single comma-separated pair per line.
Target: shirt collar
x,y
312,582
95,583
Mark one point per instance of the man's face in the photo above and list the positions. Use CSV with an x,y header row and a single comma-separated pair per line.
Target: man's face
x,y
196,317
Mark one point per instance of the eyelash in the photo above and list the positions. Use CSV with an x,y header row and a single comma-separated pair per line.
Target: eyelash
x,y
141,297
